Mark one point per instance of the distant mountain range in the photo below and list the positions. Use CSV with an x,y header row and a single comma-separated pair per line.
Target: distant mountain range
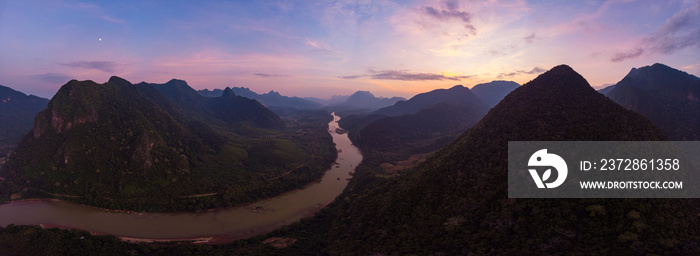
x,y
17,111
455,96
270,99
668,97
364,101
460,193
335,99
493,92
425,122
421,124
228,107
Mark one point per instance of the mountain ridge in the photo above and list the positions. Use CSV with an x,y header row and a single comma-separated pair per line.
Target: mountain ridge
x,y
667,96
17,112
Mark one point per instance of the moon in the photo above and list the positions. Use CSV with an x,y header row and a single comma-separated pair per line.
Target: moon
x,y
100,39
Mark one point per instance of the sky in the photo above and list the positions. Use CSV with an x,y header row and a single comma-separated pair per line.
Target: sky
x,y
324,48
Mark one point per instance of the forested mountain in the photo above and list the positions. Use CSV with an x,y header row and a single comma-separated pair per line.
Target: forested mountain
x,y
456,202
420,125
455,96
17,111
121,146
667,96
493,92
366,101
228,107
270,99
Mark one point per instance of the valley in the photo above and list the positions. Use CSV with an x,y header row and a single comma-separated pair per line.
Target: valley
x,y
212,226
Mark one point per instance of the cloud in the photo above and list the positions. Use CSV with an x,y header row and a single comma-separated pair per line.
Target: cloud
x,y
535,70
634,53
320,47
351,77
450,12
531,38
52,77
118,21
265,75
680,32
404,75
105,66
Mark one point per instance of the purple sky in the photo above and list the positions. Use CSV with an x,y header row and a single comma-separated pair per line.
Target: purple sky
x,y
322,48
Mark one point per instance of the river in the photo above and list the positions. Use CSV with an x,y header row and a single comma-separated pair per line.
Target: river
x,y
231,223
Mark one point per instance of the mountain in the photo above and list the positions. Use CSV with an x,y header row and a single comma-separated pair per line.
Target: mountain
x,y
422,124
456,202
212,93
493,92
270,99
364,100
335,99
667,96
17,111
110,131
151,146
229,107
456,96
425,131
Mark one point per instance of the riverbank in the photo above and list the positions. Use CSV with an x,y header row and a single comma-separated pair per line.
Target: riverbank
x,y
213,226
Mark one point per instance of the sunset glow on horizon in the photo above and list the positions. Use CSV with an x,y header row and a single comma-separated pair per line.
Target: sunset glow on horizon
x,y
324,48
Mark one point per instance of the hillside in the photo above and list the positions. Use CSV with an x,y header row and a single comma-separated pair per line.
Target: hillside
x,y
227,109
17,111
119,146
422,124
270,99
456,96
364,101
456,202
493,92
667,96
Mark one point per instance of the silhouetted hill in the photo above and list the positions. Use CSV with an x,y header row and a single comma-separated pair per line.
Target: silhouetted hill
x,y
493,92
270,99
366,101
228,107
419,125
456,202
425,131
17,111
667,96
456,96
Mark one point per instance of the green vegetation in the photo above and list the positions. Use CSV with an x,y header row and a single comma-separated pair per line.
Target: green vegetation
x,y
117,146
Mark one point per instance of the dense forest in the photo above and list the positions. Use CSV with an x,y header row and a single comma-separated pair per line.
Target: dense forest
x,y
120,146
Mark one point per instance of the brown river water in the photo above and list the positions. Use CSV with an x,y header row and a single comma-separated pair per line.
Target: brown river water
x,y
233,223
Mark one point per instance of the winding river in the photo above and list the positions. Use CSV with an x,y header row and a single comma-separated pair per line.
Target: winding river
x,y
229,223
